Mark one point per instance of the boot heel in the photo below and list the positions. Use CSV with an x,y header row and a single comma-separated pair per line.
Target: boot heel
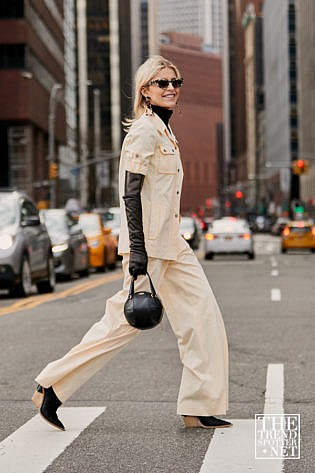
x,y
37,399
192,422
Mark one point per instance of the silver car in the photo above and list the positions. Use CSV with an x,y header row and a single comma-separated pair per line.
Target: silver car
x,y
229,235
25,247
69,245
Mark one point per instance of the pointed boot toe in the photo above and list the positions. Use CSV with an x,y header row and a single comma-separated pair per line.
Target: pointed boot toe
x,y
205,422
47,402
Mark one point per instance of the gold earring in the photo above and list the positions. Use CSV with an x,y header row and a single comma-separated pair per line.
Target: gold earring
x,y
179,109
148,106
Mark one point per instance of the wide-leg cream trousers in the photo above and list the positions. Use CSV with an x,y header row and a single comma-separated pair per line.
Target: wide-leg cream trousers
x,y
195,318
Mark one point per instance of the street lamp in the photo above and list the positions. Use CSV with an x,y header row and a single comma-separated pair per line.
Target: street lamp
x,y
97,140
51,142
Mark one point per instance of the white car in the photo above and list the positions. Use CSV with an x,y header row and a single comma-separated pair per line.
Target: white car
x,y
229,235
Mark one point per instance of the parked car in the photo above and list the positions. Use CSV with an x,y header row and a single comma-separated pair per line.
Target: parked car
x,y
25,248
189,231
229,235
298,235
69,244
101,243
113,220
278,226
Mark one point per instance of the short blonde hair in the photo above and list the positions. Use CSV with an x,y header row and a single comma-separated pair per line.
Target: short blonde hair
x,y
145,73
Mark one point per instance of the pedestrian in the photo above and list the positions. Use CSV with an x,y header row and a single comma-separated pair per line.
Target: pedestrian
x,y
150,181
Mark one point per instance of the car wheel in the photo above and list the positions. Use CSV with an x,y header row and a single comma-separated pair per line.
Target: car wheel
x,y
70,271
84,273
48,285
102,268
23,289
283,250
251,255
209,256
313,250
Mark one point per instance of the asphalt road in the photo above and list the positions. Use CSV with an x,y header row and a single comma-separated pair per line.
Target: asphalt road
x,y
139,432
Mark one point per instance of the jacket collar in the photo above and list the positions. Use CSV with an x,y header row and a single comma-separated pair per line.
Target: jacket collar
x,y
162,128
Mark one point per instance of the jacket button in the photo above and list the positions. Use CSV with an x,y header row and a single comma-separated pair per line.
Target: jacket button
x,y
176,215
177,170
177,192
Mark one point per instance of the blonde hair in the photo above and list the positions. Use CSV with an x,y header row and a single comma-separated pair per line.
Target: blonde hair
x,y
145,73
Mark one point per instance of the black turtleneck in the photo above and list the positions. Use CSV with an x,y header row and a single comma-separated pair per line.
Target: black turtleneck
x,y
164,113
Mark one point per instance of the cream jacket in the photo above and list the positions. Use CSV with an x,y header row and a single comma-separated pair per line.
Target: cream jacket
x,y
151,149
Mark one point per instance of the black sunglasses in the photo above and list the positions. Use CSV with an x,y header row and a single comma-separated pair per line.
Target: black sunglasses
x,y
164,83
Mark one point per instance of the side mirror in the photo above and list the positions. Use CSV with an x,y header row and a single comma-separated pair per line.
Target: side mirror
x,y
30,221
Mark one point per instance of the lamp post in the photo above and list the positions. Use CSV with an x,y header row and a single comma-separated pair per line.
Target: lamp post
x,y
51,141
97,140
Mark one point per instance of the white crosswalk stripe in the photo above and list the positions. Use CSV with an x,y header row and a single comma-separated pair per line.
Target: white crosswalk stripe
x,y
232,450
37,444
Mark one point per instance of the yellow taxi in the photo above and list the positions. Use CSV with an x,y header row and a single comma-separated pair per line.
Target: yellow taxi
x,y
298,235
101,243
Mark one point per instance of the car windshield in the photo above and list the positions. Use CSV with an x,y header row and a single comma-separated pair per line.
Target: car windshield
x,y
112,220
8,212
55,221
229,226
90,223
302,229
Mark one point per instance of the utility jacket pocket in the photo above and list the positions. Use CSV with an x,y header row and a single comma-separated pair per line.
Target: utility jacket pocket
x,y
167,160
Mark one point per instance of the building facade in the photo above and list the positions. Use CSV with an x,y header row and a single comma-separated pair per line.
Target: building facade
x,y
281,99
31,62
200,17
306,94
254,106
198,121
234,85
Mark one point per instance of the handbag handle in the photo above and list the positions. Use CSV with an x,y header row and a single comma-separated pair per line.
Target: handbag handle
x,y
132,287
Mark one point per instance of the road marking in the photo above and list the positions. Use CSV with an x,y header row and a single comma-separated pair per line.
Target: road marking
x,y
34,301
232,450
274,272
275,295
273,262
37,444
274,389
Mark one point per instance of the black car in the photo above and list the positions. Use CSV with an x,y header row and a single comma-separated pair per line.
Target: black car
x,y
25,247
190,232
69,245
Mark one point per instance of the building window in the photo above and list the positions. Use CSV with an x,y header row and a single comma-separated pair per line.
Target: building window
x,y
293,94
292,71
12,56
187,170
197,175
11,8
292,47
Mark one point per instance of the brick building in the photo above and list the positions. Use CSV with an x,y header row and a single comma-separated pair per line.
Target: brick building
x,y
198,122
236,71
31,61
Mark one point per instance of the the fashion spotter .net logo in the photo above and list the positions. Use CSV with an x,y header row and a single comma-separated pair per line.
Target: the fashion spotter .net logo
x,y
277,436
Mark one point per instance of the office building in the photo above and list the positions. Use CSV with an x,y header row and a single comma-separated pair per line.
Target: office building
x,y
198,121
31,62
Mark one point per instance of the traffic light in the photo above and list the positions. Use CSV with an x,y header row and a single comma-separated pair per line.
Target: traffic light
x,y
53,170
239,194
300,166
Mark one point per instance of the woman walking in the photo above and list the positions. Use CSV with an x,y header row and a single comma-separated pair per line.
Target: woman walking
x,y
150,181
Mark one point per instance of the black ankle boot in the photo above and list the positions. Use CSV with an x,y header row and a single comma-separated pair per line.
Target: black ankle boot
x,y
49,407
214,422
205,422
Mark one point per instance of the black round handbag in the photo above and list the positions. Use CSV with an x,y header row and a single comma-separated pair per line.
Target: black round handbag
x,y
143,310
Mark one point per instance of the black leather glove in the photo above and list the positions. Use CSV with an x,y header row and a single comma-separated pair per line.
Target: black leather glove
x,y
138,261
